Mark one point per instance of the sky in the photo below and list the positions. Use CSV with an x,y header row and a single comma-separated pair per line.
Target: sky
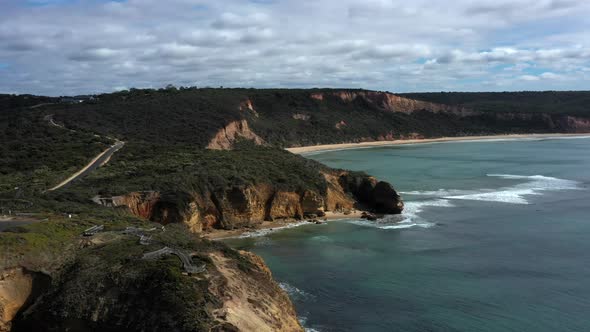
x,y
68,47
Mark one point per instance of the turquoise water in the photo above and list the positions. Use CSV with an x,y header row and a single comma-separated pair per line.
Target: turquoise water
x,y
495,237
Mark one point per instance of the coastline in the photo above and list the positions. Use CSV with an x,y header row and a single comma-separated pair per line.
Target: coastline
x,y
347,146
271,226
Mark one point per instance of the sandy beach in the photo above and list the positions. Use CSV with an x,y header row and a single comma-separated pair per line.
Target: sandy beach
x,y
269,226
344,146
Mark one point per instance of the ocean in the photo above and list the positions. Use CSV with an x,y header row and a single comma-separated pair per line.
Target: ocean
x,y
495,236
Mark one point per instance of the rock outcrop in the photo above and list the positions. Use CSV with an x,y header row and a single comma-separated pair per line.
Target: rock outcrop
x,y
285,205
247,206
378,196
228,135
252,300
18,289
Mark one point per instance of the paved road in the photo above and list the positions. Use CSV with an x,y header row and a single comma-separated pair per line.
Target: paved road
x,y
98,161
40,105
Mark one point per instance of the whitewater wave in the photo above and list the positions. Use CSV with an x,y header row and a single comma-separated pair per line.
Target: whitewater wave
x,y
533,185
293,291
409,218
438,193
516,194
303,322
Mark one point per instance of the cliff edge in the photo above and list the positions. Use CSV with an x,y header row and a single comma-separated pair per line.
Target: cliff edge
x,y
109,285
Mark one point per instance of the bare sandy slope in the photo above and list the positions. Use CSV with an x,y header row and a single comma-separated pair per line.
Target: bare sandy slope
x,y
344,146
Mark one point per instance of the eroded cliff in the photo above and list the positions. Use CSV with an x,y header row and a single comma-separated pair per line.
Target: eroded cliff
x,y
19,289
249,205
233,131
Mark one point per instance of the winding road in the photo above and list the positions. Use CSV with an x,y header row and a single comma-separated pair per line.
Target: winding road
x,y
98,161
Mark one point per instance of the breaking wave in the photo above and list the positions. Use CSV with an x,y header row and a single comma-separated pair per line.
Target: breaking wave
x,y
409,218
516,194
294,292
303,322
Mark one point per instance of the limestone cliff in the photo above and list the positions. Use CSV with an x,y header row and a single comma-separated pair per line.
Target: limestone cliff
x,y
249,205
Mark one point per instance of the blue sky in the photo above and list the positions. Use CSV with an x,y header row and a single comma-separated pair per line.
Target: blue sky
x,y
61,47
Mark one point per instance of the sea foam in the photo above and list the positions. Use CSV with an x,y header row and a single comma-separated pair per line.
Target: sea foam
x,y
409,218
516,194
293,291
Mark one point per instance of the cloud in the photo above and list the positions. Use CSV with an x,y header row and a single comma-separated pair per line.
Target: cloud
x,y
70,47
529,78
95,54
233,21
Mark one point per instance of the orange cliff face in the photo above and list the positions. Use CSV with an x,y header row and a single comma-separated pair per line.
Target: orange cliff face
x,y
389,102
247,106
249,205
17,286
392,103
228,135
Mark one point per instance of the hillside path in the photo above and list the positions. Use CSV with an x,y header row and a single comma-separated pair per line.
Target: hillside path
x,y
95,163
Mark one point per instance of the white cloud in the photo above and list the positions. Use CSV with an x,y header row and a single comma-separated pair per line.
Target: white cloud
x,y
529,78
92,46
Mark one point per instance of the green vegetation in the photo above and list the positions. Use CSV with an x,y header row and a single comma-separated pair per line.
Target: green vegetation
x,y
165,116
182,168
551,102
12,102
35,155
140,294
193,116
166,129
51,240
165,132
